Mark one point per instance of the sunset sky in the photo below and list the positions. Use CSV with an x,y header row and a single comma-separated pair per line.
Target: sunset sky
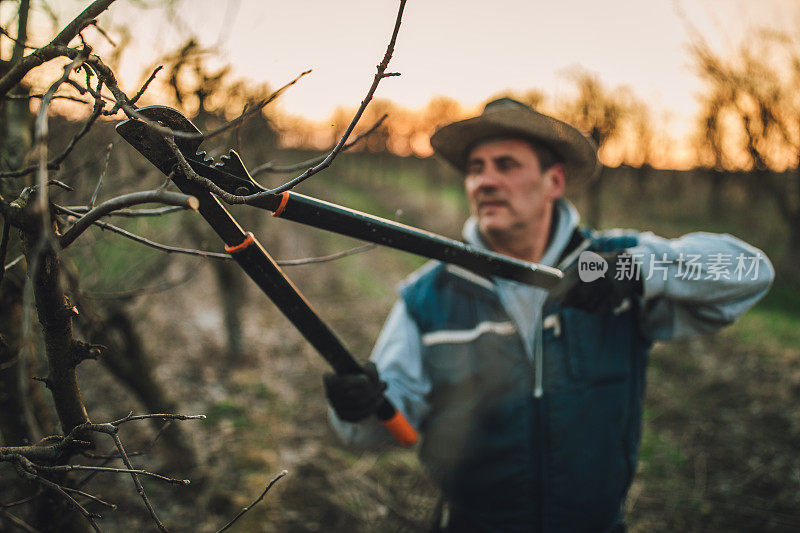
x,y
465,49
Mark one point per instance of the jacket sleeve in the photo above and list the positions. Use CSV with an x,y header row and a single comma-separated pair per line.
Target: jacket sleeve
x,y
398,357
698,283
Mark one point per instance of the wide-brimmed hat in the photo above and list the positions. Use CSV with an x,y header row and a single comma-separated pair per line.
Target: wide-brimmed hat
x,y
507,118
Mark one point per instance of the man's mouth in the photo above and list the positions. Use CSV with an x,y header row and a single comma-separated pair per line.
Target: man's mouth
x,y
488,204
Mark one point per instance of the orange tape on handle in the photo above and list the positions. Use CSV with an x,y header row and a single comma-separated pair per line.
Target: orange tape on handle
x,y
401,430
282,205
248,240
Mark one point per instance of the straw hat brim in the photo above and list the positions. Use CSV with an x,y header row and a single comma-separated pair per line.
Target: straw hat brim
x,y
578,153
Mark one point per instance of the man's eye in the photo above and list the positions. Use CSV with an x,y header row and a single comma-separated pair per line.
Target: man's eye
x,y
506,164
473,168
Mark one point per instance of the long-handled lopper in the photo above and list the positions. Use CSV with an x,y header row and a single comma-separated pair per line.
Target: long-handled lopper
x,y
249,253
231,176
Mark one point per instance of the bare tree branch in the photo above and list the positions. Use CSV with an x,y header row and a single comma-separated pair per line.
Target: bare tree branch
x,y
4,247
19,522
22,31
327,258
126,200
141,91
140,291
102,32
160,416
102,174
53,49
202,253
23,500
155,126
247,112
139,488
87,468
29,470
55,163
80,22
17,41
130,213
379,75
56,97
271,167
145,241
91,497
40,146
14,262
255,502
191,175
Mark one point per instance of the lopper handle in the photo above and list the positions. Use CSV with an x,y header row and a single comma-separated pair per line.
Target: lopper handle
x,y
397,424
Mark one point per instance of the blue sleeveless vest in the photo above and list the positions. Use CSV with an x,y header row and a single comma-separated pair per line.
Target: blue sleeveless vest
x,y
508,461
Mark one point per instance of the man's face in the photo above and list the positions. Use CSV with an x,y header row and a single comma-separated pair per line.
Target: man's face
x,y
507,190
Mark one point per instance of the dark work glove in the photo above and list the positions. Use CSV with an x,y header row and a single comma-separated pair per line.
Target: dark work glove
x,y
354,397
604,294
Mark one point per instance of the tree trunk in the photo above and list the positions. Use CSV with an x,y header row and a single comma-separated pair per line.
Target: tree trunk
x,y
127,361
594,200
15,427
231,291
715,193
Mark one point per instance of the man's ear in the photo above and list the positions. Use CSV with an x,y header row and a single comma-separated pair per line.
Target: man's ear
x,y
556,177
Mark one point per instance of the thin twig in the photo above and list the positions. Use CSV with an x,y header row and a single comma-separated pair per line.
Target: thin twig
x,y
4,246
103,33
326,258
141,91
139,488
61,184
191,175
54,48
14,262
109,456
23,500
132,213
19,522
102,174
91,497
145,450
247,112
87,468
41,136
271,167
202,253
130,111
379,75
140,291
160,416
55,163
16,41
147,242
56,97
28,469
255,502
125,200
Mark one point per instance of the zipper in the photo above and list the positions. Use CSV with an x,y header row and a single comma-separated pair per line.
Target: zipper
x,y
538,368
550,322
540,453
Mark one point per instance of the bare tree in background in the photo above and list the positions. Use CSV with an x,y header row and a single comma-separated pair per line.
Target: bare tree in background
x,y
51,457
749,120
598,112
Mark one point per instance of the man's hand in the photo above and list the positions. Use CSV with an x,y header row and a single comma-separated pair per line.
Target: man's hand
x,y
354,397
603,294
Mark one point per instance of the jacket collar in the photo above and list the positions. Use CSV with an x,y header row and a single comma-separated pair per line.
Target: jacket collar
x,y
565,219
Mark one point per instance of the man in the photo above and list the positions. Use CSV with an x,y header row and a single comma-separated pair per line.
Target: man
x,y
529,403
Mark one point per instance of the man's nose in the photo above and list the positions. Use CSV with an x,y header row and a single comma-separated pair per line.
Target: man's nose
x,y
487,179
